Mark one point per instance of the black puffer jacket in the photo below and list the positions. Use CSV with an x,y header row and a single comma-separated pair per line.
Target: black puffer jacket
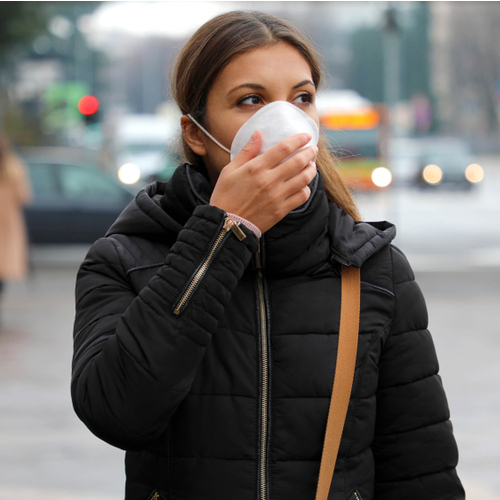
x,y
221,391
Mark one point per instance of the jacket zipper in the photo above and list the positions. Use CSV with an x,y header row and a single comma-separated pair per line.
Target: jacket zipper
x,y
154,496
229,225
265,380
356,495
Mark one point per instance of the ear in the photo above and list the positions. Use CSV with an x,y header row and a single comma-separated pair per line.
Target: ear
x,y
193,136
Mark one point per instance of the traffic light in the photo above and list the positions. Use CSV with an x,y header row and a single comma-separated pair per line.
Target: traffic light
x,y
88,106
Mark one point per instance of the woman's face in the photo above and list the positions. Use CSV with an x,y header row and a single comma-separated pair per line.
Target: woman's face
x,y
249,82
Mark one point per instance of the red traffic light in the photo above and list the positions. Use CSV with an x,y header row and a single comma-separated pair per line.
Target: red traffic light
x,y
88,105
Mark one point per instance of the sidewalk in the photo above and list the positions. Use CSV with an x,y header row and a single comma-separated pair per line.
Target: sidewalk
x,y
43,256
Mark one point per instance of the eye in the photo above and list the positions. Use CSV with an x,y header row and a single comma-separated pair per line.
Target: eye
x,y
250,100
304,98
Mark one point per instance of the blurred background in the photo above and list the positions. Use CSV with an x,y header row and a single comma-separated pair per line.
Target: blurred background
x,y
411,107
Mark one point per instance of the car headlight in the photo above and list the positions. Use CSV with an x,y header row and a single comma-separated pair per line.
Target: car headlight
x,y
381,177
474,173
432,174
129,173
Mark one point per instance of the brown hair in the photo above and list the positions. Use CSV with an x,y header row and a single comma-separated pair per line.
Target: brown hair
x,y
5,171
213,46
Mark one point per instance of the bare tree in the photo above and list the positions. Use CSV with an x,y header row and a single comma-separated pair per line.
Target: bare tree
x,y
467,65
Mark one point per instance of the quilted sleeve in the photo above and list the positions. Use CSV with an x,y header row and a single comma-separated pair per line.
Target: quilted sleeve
x,y
414,447
134,358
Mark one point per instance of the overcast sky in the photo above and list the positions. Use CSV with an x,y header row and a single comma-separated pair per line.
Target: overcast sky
x,y
180,19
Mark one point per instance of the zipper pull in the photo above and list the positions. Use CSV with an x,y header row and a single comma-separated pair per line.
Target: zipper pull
x,y
230,224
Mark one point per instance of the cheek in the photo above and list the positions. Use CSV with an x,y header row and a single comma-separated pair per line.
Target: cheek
x,y
221,126
229,128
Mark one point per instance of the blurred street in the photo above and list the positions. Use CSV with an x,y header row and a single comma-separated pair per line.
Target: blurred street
x,y
45,453
411,93
444,229
453,242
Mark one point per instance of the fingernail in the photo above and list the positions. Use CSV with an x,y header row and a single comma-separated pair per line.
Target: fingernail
x,y
254,137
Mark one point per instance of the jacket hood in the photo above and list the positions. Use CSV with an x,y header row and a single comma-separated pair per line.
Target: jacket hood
x,y
305,238
144,216
164,206
354,242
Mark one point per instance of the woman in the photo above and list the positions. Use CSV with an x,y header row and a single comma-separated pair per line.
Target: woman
x,y
207,318
15,192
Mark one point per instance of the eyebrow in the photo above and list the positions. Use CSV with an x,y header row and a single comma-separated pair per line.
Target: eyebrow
x,y
256,86
304,82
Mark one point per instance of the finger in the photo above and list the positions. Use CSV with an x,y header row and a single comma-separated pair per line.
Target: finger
x,y
300,180
292,166
248,152
295,191
297,199
285,148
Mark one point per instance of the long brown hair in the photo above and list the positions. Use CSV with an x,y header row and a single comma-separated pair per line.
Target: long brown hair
x,y
5,171
213,46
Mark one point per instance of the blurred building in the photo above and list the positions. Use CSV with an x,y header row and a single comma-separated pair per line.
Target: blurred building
x,y
465,61
448,67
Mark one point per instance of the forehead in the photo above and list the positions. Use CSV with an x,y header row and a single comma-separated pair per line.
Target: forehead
x,y
265,65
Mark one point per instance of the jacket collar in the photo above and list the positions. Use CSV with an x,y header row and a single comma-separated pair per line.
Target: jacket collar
x,y
305,240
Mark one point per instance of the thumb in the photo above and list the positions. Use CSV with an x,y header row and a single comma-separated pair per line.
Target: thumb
x,y
249,151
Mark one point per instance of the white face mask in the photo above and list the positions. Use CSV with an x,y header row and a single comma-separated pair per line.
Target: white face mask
x,y
275,121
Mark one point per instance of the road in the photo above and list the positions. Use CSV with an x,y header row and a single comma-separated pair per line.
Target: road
x,y
45,452
444,229
453,242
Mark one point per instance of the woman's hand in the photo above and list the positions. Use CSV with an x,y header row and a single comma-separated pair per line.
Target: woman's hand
x,y
260,188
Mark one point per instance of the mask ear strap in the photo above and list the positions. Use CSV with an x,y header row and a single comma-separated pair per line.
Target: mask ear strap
x,y
208,134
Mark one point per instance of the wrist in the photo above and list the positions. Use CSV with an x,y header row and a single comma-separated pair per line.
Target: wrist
x,y
246,223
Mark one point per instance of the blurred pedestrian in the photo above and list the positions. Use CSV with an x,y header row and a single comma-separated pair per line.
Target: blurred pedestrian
x,y
207,319
15,193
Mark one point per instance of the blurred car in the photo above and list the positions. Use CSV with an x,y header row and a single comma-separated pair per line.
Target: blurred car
x,y
434,162
168,169
404,160
72,203
449,163
143,146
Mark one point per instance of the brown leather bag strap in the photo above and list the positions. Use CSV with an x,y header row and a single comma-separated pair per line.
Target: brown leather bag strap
x,y
344,376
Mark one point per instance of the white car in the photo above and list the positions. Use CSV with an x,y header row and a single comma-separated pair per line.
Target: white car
x,y
143,144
